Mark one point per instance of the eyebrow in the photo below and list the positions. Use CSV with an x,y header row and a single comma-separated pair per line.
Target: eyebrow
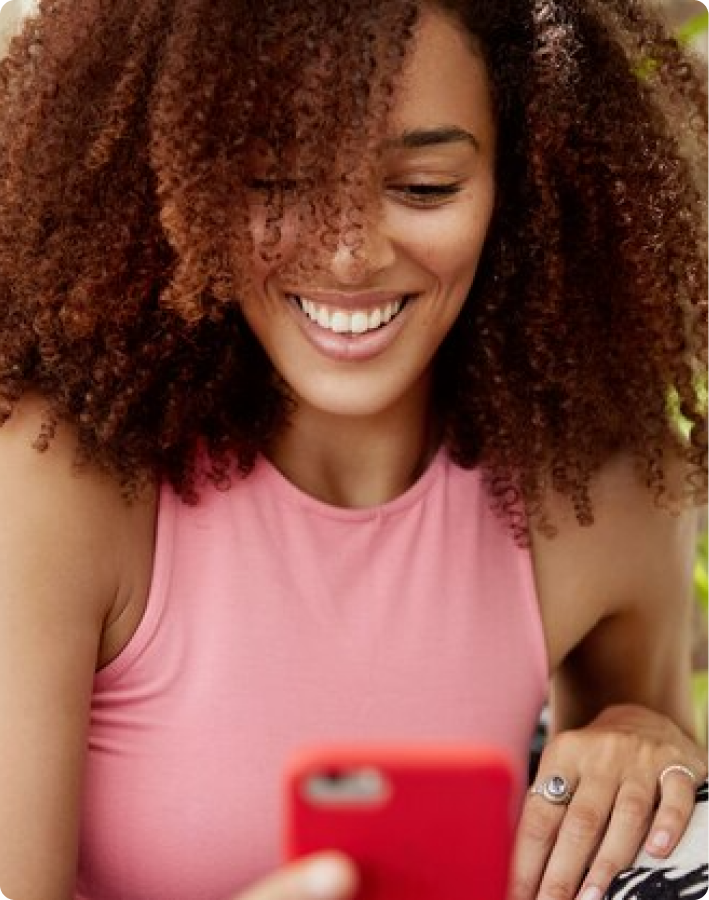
x,y
419,138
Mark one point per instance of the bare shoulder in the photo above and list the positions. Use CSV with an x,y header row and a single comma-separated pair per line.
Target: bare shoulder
x,y
620,495
67,553
635,559
56,506
615,600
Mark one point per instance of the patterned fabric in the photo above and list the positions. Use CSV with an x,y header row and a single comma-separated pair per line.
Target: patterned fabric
x,y
684,875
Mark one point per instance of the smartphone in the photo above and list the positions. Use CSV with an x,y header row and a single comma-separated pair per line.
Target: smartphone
x,y
428,823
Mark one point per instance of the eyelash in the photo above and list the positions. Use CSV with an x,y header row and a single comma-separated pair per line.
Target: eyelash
x,y
414,194
425,194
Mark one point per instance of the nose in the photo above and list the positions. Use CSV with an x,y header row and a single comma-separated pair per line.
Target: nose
x,y
360,256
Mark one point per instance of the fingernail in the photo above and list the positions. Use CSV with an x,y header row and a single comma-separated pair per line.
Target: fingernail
x,y
325,879
591,893
660,840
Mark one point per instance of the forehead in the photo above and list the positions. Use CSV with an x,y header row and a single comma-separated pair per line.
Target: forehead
x,y
441,87
443,81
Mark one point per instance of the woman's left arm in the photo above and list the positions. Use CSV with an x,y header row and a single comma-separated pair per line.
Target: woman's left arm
x,y
616,601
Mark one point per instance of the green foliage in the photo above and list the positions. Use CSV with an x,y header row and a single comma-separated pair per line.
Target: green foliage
x,y
694,27
691,29
701,579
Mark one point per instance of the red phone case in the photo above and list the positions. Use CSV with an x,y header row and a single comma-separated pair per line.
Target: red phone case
x,y
444,830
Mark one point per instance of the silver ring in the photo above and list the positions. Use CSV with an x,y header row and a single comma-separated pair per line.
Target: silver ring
x,y
555,789
677,767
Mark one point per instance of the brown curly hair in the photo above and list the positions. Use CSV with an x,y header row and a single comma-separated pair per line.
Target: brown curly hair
x,y
128,131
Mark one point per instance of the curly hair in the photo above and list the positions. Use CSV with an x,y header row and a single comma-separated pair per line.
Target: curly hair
x,y
128,131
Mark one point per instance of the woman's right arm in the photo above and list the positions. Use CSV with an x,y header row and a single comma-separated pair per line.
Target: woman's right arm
x,y
60,548
66,544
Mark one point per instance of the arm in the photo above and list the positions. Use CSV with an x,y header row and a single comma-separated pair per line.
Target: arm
x,y
616,602
66,545
633,570
58,580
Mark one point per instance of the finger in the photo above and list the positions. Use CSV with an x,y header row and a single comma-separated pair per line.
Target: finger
x,y
624,835
536,833
678,791
327,876
579,836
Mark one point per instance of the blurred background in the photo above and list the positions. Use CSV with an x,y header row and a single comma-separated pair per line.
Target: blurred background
x,y
10,14
690,19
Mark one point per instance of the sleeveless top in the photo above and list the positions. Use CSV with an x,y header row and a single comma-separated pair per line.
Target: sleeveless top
x,y
277,622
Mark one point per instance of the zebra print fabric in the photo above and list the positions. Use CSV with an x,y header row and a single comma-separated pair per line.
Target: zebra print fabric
x,y
684,875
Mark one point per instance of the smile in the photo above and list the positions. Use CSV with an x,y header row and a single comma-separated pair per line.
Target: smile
x,y
341,321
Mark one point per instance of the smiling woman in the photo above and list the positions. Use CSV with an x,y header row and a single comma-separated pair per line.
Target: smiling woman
x,y
406,267
345,333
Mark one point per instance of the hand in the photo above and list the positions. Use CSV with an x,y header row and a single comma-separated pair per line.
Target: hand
x,y
613,766
326,876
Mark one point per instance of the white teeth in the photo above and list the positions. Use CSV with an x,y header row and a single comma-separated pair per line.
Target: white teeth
x,y
341,322
359,323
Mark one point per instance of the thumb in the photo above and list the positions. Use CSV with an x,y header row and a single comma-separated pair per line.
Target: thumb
x,y
326,876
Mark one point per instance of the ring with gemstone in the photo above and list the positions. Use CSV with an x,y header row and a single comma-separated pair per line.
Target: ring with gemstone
x,y
555,789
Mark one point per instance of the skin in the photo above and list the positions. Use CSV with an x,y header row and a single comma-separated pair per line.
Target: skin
x,y
614,599
362,431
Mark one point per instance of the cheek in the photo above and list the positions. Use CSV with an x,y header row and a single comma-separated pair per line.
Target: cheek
x,y
274,243
451,251
448,242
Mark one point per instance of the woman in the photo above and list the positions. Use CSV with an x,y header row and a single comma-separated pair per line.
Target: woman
x,y
350,333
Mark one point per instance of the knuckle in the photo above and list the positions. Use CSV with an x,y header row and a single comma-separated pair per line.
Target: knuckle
x,y
634,808
584,822
539,825
669,755
674,751
604,870
522,888
619,746
557,888
561,744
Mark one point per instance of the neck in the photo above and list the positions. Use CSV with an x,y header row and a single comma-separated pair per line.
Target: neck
x,y
356,462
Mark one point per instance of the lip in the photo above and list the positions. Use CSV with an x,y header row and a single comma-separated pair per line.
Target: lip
x,y
351,347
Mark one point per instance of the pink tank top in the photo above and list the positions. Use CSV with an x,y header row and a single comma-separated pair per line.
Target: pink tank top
x,y
276,622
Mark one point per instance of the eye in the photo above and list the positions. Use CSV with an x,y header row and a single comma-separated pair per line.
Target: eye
x,y
425,194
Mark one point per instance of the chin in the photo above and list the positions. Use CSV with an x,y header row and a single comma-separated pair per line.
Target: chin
x,y
346,401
